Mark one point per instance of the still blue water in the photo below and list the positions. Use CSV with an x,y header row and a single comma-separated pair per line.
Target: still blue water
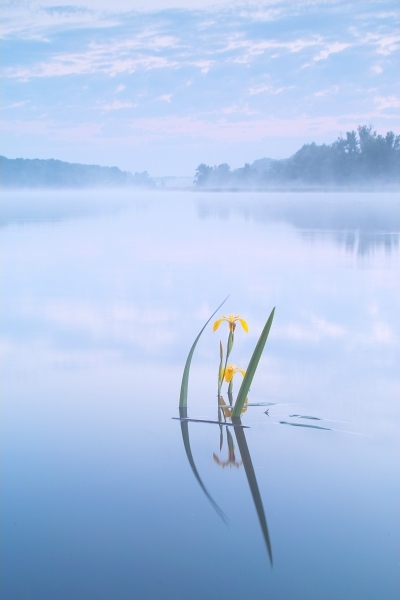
x,y
103,295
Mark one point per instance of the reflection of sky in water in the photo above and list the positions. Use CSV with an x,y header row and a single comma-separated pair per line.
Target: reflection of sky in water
x,y
102,298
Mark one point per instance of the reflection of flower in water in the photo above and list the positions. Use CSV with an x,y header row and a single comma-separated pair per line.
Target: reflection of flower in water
x,y
230,319
231,455
228,410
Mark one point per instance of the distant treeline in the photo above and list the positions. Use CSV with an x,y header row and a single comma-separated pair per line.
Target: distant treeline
x,y
37,173
361,158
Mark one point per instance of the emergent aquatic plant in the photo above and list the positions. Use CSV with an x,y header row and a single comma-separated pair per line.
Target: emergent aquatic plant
x,y
226,372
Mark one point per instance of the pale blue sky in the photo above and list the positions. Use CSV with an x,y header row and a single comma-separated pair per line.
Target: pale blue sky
x,y
164,85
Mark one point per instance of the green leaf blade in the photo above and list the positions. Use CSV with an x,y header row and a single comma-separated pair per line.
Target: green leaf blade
x,y
186,371
251,369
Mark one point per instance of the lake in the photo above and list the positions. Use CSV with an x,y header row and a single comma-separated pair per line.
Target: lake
x,y
105,494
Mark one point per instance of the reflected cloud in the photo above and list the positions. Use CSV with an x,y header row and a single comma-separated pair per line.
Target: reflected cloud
x,y
314,331
148,329
44,206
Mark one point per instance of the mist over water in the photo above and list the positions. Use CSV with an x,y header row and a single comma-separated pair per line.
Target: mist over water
x,y
103,295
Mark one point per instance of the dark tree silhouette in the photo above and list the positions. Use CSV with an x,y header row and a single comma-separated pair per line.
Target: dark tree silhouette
x,y
359,158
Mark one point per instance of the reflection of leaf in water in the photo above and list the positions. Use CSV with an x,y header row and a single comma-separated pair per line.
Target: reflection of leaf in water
x,y
186,443
252,480
304,425
224,423
306,417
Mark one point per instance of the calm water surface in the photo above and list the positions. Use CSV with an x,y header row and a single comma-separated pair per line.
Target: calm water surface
x,y
104,495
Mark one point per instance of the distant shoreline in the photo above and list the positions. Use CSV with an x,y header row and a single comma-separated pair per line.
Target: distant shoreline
x,y
194,189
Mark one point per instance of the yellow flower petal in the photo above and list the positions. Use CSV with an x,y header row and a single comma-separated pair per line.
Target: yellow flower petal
x,y
229,372
244,325
242,372
217,324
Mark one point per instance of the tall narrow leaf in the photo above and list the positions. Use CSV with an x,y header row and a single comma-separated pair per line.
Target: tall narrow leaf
x,y
251,369
186,371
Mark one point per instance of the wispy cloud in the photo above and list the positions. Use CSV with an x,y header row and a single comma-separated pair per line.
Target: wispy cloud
x,y
115,105
386,102
329,91
245,50
16,104
53,130
386,44
259,89
97,59
145,51
203,65
33,21
331,49
239,129
237,109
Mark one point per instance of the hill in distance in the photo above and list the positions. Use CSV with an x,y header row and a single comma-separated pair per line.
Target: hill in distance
x,y
38,173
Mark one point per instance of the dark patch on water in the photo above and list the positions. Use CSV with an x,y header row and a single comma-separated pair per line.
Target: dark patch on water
x,y
304,425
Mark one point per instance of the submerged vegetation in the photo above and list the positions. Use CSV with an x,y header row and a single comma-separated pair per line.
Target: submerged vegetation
x,y
360,158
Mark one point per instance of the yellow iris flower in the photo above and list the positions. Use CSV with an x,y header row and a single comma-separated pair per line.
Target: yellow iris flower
x,y
231,320
230,372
